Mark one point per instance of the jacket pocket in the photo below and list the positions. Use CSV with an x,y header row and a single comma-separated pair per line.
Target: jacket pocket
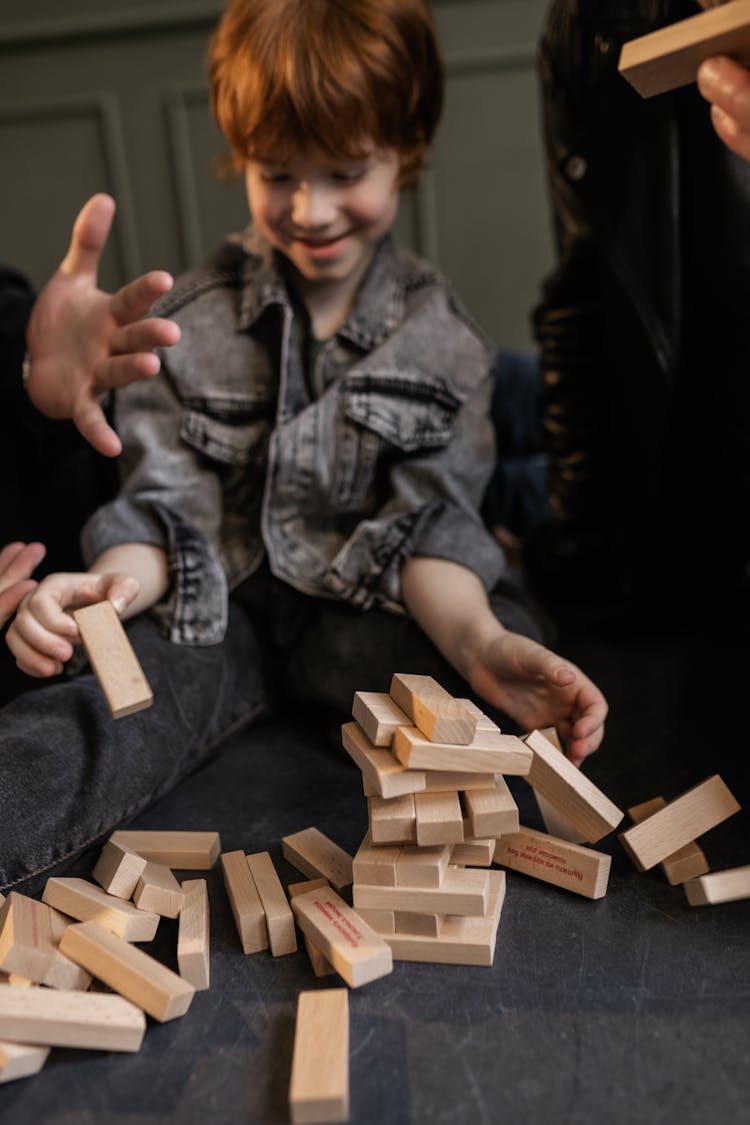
x,y
409,411
227,430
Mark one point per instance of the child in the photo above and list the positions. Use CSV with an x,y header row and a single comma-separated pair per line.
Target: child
x,y
301,482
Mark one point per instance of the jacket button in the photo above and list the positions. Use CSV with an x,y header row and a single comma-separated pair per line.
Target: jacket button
x,y
575,168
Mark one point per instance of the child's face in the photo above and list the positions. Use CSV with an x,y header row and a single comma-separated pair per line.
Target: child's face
x,y
325,215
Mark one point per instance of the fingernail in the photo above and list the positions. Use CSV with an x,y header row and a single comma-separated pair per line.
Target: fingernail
x,y
119,603
708,72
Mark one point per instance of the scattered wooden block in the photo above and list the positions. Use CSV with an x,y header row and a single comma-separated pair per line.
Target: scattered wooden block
x,y
118,870
554,823
668,58
18,1060
319,1086
463,891
379,716
25,937
321,967
686,863
570,866
88,903
491,812
439,819
185,851
247,909
419,925
420,867
392,821
279,917
315,855
489,752
158,890
62,972
678,823
578,800
376,866
193,945
720,886
351,946
382,775
112,658
473,853
432,709
128,970
52,1018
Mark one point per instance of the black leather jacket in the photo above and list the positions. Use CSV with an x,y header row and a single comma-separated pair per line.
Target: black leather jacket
x,y
643,324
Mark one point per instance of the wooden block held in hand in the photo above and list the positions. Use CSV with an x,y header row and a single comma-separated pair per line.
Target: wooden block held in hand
x,y
355,951
569,866
279,917
432,709
686,863
185,851
112,658
247,909
577,799
720,886
158,890
89,1020
319,1086
312,853
88,903
678,823
118,870
193,936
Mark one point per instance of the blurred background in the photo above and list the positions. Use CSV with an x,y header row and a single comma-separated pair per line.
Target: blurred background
x,y
111,95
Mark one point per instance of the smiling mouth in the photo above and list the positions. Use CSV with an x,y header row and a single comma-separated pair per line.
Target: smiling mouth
x,y
321,243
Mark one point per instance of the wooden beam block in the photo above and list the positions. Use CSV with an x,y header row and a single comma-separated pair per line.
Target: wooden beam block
x,y
392,821
686,863
113,660
460,940
352,947
128,970
18,1060
25,937
185,851
379,716
279,917
490,752
490,812
319,1086
484,722
457,781
312,853
118,870
554,823
720,886
439,819
577,799
463,891
432,709
420,867
381,773
669,57
678,823
569,866
247,909
381,921
374,865
193,935
473,853
419,925
88,903
63,973
320,966
52,1018
158,890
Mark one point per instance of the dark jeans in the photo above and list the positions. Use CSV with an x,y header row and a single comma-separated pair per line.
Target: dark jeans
x,y
71,774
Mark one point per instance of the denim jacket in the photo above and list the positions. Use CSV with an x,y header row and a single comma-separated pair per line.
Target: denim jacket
x,y
227,459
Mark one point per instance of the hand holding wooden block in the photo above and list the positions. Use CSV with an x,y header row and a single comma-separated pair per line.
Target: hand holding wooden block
x,y
112,658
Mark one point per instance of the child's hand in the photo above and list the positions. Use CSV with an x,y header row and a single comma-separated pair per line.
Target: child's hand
x,y
17,562
42,635
537,688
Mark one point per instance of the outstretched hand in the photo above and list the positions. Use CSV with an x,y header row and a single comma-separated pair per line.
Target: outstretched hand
x,y
83,342
18,561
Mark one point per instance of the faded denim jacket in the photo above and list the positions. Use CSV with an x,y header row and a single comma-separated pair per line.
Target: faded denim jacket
x,y
227,458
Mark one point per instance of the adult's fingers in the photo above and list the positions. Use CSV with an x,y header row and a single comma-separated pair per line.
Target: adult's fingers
x,y
19,561
12,596
134,300
92,425
90,232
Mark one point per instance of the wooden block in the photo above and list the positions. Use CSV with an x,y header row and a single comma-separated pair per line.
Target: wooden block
x,y
554,823
158,890
392,821
128,970
473,853
381,921
432,709
52,1018
118,870
249,915
376,866
355,951
491,812
686,863
88,903
669,57
462,892
420,867
112,658
63,973
569,866
420,925
315,855
319,1086
17,1060
720,886
185,851
484,722
678,823
379,716
460,941
381,773
455,781
279,917
25,937
578,800
193,935
490,752
439,819
321,967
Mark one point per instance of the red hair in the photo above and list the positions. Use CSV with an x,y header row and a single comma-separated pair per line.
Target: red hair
x,y
334,74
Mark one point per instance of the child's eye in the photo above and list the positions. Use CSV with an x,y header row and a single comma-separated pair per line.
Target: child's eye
x,y
270,176
348,175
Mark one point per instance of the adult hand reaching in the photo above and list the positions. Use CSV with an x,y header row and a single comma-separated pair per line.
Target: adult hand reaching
x,y
83,342
18,561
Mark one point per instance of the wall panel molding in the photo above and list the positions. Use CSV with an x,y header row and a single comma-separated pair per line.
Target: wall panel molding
x,y
156,18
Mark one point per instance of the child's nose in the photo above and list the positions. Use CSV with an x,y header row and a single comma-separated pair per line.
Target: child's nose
x,y
312,205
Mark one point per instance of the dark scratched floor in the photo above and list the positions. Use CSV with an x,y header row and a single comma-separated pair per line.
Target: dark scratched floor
x,y
635,1008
